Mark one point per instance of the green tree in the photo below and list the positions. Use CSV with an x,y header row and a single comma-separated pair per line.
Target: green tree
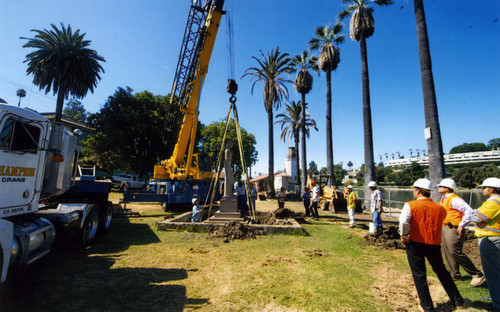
x,y
468,147
211,140
434,143
493,144
20,93
339,173
313,168
383,174
129,130
291,125
63,62
271,71
362,26
329,58
350,164
303,84
75,110
470,177
409,175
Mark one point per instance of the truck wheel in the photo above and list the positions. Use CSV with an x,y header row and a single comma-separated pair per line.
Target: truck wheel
x,y
106,218
165,206
90,227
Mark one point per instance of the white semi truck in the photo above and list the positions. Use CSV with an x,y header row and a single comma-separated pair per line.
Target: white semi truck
x,y
41,197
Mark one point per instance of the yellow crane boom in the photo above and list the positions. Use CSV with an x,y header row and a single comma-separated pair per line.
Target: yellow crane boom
x,y
196,51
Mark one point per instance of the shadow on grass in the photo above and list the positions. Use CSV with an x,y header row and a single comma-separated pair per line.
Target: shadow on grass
x,y
71,278
90,283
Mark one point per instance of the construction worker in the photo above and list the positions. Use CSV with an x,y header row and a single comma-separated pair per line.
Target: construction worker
x,y
487,225
458,214
420,226
197,211
315,200
351,205
376,207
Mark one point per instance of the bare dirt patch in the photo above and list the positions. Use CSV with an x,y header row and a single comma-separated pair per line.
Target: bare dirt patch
x,y
278,216
390,240
235,230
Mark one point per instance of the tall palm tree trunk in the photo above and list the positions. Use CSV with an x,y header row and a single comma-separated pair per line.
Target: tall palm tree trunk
x,y
59,104
303,173
270,182
434,144
367,120
297,166
329,140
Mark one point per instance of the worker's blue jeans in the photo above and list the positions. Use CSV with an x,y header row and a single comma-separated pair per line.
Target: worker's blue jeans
x,y
489,247
242,203
377,220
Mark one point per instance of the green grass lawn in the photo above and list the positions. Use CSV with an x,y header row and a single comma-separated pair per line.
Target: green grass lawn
x,y
138,268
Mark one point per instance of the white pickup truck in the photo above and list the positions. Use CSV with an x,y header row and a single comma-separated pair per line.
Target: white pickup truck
x,y
133,181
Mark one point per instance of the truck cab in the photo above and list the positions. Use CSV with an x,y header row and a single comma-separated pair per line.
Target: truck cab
x,y
40,195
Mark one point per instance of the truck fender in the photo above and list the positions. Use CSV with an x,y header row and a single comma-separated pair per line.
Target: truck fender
x,y
82,209
6,237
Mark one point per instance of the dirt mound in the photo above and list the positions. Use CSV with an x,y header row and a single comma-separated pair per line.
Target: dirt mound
x,y
284,213
388,240
277,217
235,230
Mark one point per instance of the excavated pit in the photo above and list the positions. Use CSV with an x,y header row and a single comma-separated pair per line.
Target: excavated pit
x,y
281,221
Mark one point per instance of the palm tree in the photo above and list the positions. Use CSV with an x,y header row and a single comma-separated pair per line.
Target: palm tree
x,y
270,71
433,132
326,39
20,93
292,124
303,84
63,62
362,26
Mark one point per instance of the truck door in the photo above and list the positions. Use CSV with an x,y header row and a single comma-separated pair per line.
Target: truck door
x,y
21,163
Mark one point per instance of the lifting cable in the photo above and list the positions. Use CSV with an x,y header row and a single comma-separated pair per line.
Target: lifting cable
x,y
231,89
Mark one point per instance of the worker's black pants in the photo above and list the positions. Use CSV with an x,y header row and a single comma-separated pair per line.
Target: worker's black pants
x,y
416,253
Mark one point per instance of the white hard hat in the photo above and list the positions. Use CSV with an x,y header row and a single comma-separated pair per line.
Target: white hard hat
x,y
372,184
349,187
449,183
491,182
423,183
194,200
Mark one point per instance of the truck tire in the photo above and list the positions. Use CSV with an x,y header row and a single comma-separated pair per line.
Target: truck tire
x,y
90,227
164,205
106,218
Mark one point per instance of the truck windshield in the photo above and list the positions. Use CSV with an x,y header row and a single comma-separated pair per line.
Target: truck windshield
x,y
19,136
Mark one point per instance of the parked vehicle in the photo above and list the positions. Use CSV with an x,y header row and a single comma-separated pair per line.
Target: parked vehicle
x,y
41,196
133,181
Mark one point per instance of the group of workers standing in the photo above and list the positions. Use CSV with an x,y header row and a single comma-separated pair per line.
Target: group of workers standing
x,y
425,225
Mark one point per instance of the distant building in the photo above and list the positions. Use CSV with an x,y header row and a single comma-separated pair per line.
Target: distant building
x,y
72,125
291,164
450,159
286,179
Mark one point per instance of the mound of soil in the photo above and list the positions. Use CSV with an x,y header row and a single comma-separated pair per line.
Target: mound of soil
x,y
276,217
390,240
235,230
284,213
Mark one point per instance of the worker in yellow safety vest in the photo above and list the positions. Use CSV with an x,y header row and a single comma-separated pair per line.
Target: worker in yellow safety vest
x,y
351,205
487,226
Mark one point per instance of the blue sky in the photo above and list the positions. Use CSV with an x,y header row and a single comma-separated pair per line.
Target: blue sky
x,y
140,41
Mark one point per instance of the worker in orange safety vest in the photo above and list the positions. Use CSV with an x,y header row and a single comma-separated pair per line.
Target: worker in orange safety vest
x,y
420,226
